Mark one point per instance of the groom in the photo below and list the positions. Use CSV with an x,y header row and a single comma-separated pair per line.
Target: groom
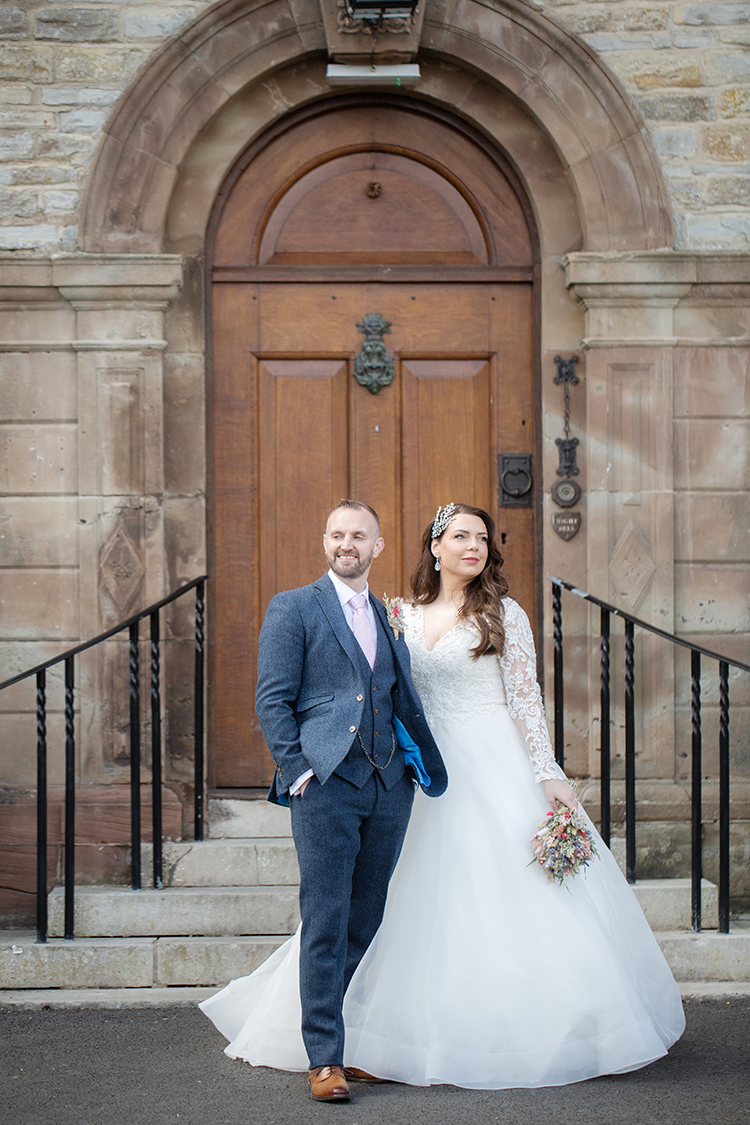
x,y
332,674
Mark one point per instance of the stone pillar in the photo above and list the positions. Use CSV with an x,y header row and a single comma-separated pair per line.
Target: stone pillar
x,y
665,329
119,305
82,540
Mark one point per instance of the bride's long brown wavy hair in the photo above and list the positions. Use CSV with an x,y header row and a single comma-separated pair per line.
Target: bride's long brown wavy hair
x,y
482,598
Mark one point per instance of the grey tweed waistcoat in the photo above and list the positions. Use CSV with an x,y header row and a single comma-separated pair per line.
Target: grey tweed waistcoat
x,y
376,727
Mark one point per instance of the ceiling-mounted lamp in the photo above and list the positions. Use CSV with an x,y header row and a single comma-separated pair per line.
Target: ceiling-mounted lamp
x,y
380,9
405,74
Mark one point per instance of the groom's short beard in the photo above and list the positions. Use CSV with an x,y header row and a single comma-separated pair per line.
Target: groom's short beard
x,y
362,566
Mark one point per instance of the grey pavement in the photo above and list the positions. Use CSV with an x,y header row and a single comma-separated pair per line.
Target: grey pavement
x,y
167,1067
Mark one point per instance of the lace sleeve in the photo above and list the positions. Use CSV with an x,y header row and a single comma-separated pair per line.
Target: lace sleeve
x,y
518,667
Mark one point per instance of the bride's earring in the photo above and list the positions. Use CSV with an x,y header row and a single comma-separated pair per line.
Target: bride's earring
x,y
437,564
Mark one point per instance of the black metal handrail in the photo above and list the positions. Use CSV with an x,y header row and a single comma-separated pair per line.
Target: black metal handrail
x,y
696,652
40,671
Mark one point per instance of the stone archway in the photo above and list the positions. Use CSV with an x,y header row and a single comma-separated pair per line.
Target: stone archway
x,y
245,63
543,98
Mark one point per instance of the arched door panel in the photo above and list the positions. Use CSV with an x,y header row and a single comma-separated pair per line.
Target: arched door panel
x,y
293,430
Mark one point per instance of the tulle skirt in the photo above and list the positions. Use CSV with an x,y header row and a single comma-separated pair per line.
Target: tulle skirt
x,y
482,974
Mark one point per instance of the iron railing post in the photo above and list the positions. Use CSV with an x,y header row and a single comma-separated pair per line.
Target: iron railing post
x,y
559,684
696,652
41,807
629,752
156,810
67,658
605,729
135,759
697,772
723,797
70,800
198,708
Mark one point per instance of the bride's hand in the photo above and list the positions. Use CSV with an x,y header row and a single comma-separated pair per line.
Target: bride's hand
x,y
558,792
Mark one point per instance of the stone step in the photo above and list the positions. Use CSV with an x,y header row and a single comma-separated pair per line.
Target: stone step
x,y
230,817
269,861
708,956
114,999
132,962
208,911
272,909
667,903
179,962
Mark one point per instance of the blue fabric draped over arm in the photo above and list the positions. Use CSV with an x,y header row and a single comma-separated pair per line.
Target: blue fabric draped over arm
x,y
412,753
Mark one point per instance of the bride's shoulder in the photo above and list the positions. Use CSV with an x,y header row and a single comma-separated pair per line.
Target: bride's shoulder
x,y
511,608
513,614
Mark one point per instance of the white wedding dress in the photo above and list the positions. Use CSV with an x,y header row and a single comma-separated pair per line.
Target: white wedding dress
x,y
482,974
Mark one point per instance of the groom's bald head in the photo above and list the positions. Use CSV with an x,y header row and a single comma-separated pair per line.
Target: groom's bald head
x,y
355,505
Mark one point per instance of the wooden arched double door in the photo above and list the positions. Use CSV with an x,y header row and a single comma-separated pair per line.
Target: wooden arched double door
x,y
355,208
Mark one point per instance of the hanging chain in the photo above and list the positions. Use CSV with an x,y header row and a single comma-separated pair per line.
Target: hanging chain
x,y
566,374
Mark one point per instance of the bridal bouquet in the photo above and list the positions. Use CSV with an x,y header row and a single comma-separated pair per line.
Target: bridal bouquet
x,y
562,845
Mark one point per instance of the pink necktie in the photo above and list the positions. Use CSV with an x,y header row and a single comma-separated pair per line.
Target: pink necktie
x,y
361,627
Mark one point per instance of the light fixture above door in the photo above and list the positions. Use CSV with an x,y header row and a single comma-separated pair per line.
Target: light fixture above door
x,y
380,9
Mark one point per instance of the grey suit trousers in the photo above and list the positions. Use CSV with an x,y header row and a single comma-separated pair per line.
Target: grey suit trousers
x,y
348,841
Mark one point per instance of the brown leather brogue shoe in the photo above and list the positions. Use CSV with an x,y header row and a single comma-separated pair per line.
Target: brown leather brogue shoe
x,y
354,1074
328,1084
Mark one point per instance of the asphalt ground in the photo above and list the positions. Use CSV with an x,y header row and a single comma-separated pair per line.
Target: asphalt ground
x,y
167,1067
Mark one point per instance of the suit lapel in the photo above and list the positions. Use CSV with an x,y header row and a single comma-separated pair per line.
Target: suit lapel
x,y
398,646
331,606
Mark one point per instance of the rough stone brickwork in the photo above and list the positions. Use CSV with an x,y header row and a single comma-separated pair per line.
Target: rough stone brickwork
x,y
688,68
63,65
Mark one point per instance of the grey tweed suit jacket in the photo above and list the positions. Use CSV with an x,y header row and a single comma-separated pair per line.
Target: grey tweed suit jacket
x,y
311,695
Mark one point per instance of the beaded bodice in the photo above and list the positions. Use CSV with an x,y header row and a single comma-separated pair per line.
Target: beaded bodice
x,y
454,687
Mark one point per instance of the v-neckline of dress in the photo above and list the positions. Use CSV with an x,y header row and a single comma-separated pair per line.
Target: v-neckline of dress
x,y
440,638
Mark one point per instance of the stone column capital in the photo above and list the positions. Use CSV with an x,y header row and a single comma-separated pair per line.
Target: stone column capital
x,y
638,298
118,280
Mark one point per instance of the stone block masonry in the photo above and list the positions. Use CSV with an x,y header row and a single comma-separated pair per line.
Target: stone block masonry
x,y
687,66
63,66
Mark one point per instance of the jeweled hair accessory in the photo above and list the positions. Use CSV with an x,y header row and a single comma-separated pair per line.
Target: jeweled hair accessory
x,y
443,517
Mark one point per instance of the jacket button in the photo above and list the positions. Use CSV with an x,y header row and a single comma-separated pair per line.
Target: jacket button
x,y
352,730
360,698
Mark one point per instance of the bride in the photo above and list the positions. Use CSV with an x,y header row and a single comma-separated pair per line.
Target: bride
x,y
482,974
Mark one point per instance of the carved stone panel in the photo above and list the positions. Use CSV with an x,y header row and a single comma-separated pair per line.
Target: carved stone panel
x,y
356,41
632,567
121,569
121,422
631,538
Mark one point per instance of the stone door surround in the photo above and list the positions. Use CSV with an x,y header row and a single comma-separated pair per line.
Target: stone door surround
x,y
245,63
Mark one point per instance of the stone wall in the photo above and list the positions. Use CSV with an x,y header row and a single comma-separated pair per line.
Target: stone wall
x,y
687,67
102,384
64,65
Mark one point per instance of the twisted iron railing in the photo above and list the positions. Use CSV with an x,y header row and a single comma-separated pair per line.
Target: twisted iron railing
x,y
68,658
607,611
